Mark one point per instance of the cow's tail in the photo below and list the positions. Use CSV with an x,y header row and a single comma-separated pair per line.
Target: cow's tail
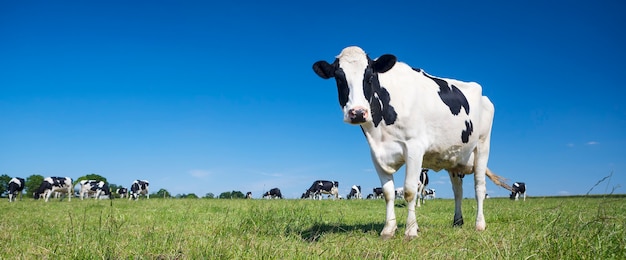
x,y
498,180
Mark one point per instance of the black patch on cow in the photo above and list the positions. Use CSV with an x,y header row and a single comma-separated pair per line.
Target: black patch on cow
x,y
465,134
378,97
326,71
418,70
451,96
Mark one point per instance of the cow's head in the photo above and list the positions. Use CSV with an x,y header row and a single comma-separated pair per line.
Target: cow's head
x,y
361,96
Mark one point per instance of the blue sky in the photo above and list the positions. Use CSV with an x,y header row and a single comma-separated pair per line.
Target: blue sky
x,y
199,97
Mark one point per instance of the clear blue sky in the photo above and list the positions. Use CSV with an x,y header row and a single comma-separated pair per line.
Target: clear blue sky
x,y
199,97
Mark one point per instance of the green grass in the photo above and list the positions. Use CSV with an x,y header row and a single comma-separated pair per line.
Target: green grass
x,y
540,228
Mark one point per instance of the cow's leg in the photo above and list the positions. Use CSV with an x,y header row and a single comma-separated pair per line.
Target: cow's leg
x,y
418,191
411,194
70,193
457,188
386,180
524,196
47,195
479,186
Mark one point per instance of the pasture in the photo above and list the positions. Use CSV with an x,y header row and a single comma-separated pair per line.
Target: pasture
x,y
540,228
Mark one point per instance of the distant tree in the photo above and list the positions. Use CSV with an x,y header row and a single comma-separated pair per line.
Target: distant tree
x,y
4,183
191,196
163,193
92,176
237,195
225,195
232,195
209,196
32,184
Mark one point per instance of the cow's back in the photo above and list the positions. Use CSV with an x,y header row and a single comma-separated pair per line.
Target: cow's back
x,y
447,132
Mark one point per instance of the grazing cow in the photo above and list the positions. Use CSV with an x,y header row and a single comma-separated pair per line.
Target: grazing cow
x,y
272,194
399,192
320,187
123,192
137,188
378,192
422,186
410,117
248,195
15,186
429,193
517,189
94,187
355,193
370,196
54,184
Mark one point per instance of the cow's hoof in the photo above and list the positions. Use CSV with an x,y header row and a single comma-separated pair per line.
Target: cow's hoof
x,y
481,226
457,222
388,233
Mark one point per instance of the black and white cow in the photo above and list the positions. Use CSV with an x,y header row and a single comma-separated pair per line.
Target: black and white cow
x,y
248,195
15,186
139,187
54,184
378,192
320,187
273,194
422,186
410,117
517,189
123,192
94,187
355,192
429,193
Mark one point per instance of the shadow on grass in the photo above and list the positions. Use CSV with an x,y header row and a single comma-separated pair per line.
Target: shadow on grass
x,y
318,230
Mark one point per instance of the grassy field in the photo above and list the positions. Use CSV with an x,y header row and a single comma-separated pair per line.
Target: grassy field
x,y
540,228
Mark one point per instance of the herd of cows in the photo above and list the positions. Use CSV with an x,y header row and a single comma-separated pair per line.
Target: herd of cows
x,y
63,185
409,118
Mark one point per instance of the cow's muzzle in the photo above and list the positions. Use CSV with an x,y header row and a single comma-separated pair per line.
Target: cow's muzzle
x,y
357,115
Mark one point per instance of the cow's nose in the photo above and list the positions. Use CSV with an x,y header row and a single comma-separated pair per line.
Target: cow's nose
x,y
357,115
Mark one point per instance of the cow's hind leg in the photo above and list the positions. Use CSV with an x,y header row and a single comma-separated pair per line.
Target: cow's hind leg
x,y
457,188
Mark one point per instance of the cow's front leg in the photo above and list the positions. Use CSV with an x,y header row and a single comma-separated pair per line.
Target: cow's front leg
x,y
389,193
457,187
411,184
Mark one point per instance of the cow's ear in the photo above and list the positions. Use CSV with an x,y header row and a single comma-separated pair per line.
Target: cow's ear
x,y
324,70
384,63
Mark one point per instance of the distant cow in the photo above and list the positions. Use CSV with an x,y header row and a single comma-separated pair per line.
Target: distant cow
x,y
422,186
378,192
412,118
429,193
273,193
54,184
15,186
123,192
248,195
355,193
399,193
517,189
94,187
320,187
137,188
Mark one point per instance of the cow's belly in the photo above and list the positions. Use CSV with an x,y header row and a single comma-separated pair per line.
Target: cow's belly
x,y
458,159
